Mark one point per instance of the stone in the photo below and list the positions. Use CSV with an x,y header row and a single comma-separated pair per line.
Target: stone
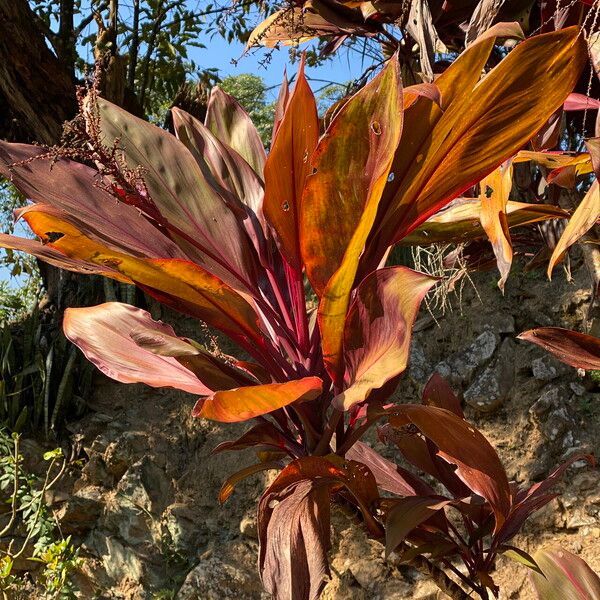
x,y
128,521
79,514
217,579
550,398
491,388
547,368
419,368
503,323
556,424
460,367
248,527
188,533
147,485
121,562
577,388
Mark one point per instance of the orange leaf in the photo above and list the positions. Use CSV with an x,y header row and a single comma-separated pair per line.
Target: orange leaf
x,y
340,202
288,165
185,285
460,221
378,330
582,220
481,127
495,189
246,403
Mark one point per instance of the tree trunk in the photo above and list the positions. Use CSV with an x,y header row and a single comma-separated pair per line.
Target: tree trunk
x,y
35,85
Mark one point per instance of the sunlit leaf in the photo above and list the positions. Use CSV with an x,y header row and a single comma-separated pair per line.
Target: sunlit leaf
x,y
230,124
461,221
521,557
582,220
79,191
104,334
190,206
223,163
288,165
191,289
378,330
444,154
565,576
213,371
230,483
340,201
247,402
494,192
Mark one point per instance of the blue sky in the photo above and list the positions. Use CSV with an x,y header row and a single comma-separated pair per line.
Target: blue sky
x,y
221,55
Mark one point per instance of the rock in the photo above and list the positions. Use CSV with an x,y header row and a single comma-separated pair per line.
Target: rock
x,y
121,562
491,388
460,367
577,388
186,531
579,518
547,368
550,398
128,521
585,481
215,578
501,322
556,424
248,527
419,368
147,485
79,514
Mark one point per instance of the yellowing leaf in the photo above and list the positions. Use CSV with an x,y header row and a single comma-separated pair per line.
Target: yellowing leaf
x,y
179,283
480,129
460,221
495,189
245,403
340,202
582,220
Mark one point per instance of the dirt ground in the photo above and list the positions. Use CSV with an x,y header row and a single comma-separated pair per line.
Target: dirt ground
x,y
144,506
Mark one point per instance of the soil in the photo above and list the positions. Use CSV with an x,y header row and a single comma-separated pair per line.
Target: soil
x,y
144,506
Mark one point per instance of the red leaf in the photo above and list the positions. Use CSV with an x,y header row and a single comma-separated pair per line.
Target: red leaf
x,y
103,333
293,522
576,349
459,443
293,530
437,392
389,477
378,330
261,436
406,515
576,101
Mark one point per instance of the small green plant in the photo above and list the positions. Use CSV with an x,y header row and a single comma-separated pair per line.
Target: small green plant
x,y
28,527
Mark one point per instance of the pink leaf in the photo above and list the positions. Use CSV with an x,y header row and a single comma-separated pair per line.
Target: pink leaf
x,y
104,332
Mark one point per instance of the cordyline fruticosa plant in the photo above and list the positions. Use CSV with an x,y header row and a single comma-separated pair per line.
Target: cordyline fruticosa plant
x,y
210,225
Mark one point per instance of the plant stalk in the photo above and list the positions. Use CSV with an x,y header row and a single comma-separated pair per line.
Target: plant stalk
x,y
439,577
